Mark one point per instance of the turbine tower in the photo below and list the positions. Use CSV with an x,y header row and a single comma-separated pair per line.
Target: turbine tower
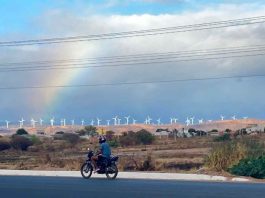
x,y
62,122
119,121
158,121
98,120
82,122
127,119
92,122
73,123
33,122
175,120
115,120
21,123
134,121
149,120
52,122
171,120
234,117
41,122
7,124
192,120
187,121
200,121
222,117
108,122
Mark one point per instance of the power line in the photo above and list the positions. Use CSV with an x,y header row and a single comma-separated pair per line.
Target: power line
x,y
146,61
135,83
146,32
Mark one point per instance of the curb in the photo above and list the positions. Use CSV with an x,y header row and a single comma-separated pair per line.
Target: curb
x,y
126,175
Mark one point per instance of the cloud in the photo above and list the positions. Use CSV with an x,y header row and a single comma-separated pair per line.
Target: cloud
x,y
206,99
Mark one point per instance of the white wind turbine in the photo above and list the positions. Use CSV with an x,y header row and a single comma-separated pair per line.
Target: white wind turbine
x,y
233,117
108,122
127,119
192,120
200,121
62,123
115,120
72,123
187,121
52,122
33,122
134,121
175,120
41,122
222,117
92,122
21,123
98,121
149,120
119,121
7,124
82,122
171,120
158,121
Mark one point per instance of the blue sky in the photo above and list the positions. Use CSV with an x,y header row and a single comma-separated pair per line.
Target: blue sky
x,y
49,18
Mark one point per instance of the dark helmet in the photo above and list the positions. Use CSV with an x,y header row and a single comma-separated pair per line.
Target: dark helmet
x,y
101,139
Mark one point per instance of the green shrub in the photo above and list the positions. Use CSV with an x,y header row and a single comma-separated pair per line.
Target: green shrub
x,y
72,138
223,138
35,139
4,145
144,137
114,143
22,132
253,167
20,142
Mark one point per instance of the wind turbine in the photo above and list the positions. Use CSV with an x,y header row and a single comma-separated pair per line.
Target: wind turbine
x,y
21,123
7,124
171,120
62,122
134,121
52,121
175,120
41,122
33,122
233,117
119,121
192,120
92,122
82,122
73,123
159,121
98,120
127,119
187,121
200,121
108,122
222,117
149,120
115,120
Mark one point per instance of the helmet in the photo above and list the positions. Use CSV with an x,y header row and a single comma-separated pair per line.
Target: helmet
x,y
101,139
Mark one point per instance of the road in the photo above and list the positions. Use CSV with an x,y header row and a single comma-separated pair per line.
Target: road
x,y
30,186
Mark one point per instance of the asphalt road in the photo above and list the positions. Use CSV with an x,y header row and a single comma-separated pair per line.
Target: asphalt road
x,y
28,186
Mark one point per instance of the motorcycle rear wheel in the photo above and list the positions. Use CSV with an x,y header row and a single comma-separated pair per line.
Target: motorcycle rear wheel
x,y
112,171
86,170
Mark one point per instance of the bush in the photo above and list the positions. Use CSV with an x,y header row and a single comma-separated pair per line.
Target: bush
x,y
22,132
88,130
229,153
114,143
223,138
128,139
71,138
4,145
35,139
144,137
20,142
253,167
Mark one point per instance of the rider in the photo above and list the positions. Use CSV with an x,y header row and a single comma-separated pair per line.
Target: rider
x,y
104,152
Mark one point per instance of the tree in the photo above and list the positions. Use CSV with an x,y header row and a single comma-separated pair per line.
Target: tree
x,y
144,137
22,132
20,142
88,130
71,138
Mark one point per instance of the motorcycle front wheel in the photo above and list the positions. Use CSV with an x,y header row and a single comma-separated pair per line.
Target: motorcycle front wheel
x,y
86,170
112,171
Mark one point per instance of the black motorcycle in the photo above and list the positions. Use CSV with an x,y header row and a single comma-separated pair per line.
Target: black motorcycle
x,y
107,166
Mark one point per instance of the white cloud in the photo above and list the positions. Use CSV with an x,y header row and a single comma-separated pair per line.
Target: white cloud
x,y
62,23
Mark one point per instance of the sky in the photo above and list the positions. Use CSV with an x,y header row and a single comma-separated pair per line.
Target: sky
x,y
34,19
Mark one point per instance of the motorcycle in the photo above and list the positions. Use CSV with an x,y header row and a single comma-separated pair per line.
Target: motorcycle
x,y
107,166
